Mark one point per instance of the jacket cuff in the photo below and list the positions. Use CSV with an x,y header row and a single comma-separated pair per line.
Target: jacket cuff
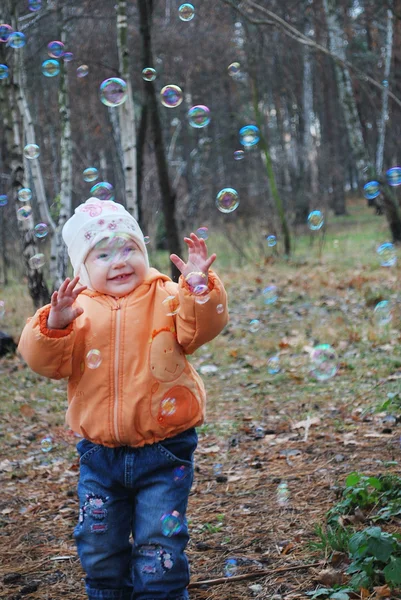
x,y
52,333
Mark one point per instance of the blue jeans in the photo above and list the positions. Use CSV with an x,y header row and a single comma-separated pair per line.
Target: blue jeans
x,y
143,492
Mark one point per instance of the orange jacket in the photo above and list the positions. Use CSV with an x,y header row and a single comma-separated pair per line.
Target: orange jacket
x,y
144,390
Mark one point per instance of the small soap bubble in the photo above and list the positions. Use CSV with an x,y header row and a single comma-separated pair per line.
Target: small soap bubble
x,y
186,12
90,174
202,232
393,176
239,155
220,309
50,68
201,294
171,523
227,200
230,567
315,220
4,71
146,239
149,74
113,91
389,420
249,135
180,473
46,444
102,191
382,313
41,230
3,199
16,40
387,254
171,96
254,325
385,83
5,32
171,305
24,212
259,433
273,365
233,69
94,359
270,294
199,116
35,5
68,57
217,469
24,194
168,407
324,362
37,261
371,190
271,241
31,151
282,494
82,71
55,49
2,309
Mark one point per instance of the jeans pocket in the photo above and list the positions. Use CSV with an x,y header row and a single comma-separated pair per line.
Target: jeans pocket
x,y
181,447
85,449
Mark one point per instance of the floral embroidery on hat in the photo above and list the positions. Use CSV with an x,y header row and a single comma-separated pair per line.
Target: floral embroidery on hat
x,y
88,235
112,225
94,210
100,222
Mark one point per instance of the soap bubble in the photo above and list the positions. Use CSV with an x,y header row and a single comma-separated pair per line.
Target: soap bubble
x,y
149,74
46,444
186,12
4,71
55,49
371,190
82,71
199,116
271,241
382,313
233,69
24,212
249,135
35,5
282,494
5,32
270,294
113,91
16,40
180,473
68,57
254,325
37,261
393,176
146,239
94,359
171,523
2,309
41,230
31,151
217,469
50,68
171,305
168,407
324,362
230,567
3,199
227,200
273,365
196,282
171,96
387,254
24,195
315,220
220,309
202,232
102,191
90,174
239,155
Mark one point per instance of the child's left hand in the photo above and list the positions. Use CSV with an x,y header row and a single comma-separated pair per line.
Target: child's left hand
x,y
198,262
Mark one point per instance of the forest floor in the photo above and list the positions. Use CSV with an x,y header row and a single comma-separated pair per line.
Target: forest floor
x,y
262,429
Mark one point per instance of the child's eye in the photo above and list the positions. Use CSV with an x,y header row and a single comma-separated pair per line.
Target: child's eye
x,y
103,256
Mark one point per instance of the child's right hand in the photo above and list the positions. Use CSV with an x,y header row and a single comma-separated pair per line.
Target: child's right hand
x,y
62,312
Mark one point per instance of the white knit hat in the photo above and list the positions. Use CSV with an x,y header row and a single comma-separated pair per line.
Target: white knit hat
x,y
92,222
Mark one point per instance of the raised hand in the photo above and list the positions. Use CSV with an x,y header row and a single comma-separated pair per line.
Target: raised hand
x,y
62,311
198,261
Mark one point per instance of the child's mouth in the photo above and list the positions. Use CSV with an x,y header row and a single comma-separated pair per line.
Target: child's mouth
x,y
122,277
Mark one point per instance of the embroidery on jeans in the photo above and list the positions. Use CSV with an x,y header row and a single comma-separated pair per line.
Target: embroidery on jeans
x,y
155,551
94,507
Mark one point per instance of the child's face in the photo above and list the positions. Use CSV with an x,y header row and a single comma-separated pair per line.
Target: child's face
x,y
116,266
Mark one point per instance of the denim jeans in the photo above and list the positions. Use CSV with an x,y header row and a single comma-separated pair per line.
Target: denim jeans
x,y
143,492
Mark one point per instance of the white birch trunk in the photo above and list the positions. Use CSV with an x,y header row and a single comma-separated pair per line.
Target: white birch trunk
x,y
381,127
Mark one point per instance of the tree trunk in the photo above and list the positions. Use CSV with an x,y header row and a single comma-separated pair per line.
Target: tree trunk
x,y
384,110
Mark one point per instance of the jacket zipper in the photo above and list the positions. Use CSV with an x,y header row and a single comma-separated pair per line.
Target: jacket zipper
x,y
116,368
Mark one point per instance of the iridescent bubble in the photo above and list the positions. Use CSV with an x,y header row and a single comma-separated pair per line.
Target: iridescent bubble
x,y
249,135
35,5
186,12
385,83
202,294
233,69
90,174
324,362
3,199
387,254
55,49
239,155
4,71
393,176
171,523
227,200
282,494
273,365
31,151
16,40
24,212
149,74
389,420
271,241
171,96
24,195
171,305
217,469
50,68
113,91
168,407
2,309
68,57
102,191
270,294
197,282
146,239
254,325
199,116
5,32
220,309
94,359
180,473
371,190
37,261
230,567
382,313
82,71
315,220
46,444
202,232
41,230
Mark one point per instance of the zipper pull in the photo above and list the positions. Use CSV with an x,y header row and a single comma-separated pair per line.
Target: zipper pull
x,y
117,307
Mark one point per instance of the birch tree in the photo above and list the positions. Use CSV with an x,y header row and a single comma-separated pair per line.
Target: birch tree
x,y
381,127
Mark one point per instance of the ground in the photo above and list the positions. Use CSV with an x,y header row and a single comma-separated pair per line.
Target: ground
x,y
262,428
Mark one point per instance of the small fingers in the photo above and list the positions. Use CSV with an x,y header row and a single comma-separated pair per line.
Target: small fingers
x,y
53,299
178,262
210,260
